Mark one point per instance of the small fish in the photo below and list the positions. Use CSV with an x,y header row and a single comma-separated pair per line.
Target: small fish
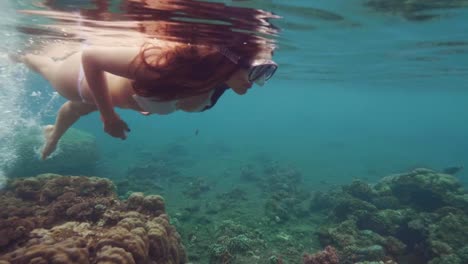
x,y
196,132
452,170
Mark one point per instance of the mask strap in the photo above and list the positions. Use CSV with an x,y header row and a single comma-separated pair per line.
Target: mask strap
x,y
229,54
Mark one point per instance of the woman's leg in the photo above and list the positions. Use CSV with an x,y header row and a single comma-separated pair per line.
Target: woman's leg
x,y
40,64
68,114
63,77
63,74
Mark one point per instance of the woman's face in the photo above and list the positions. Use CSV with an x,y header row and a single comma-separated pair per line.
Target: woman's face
x,y
239,81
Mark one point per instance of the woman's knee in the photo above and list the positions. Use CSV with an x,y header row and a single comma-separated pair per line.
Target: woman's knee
x,y
80,108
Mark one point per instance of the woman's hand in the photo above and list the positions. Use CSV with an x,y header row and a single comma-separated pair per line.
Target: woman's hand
x,y
116,127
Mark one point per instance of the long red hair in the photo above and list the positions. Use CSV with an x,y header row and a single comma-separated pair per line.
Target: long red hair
x,y
187,70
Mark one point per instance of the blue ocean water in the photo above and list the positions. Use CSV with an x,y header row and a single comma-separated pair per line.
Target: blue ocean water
x,y
360,93
364,90
365,95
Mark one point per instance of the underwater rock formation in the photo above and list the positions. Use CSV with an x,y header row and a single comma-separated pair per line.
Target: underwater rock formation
x,y
69,219
424,189
421,216
76,145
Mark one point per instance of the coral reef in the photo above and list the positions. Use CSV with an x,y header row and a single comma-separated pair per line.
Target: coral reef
x,y
421,215
283,186
148,176
226,224
327,256
70,219
195,188
234,242
232,198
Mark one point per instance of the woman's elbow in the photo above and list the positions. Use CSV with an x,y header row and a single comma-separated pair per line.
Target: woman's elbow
x,y
88,58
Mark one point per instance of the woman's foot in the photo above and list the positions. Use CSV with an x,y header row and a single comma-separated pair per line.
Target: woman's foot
x,y
50,144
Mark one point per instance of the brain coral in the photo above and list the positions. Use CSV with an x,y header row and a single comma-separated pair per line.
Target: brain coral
x,y
70,219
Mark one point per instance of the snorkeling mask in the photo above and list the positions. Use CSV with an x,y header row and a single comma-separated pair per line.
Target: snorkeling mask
x,y
260,71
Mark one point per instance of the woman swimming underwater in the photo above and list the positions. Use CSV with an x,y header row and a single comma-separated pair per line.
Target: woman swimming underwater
x,y
157,77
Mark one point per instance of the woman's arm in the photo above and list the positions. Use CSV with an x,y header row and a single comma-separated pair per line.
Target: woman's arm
x,y
118,61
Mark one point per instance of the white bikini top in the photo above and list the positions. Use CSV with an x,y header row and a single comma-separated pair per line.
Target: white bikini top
x,y
152,105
